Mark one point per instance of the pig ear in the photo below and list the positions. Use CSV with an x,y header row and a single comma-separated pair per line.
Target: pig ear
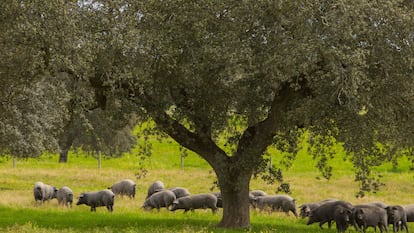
x,y
82,195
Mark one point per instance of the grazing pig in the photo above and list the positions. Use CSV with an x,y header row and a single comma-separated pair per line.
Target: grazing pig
x,y
43,192
282,203
306,208
409,211
258,193
377,203
397,217
95,199
219,199
164,198
65,196
155,187
124,187
370,216
325,212
180,192
252,200
342,217
197,201
253,194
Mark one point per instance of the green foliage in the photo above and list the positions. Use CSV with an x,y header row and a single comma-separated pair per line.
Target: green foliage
x,y
195,68
322,148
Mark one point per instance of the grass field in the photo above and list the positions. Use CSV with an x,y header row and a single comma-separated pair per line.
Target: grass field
x,y
19,214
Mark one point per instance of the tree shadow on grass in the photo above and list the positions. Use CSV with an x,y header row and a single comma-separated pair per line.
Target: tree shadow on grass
x,y
102,221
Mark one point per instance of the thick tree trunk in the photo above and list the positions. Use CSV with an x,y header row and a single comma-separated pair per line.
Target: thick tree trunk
x,y
65,143
63,155
235,194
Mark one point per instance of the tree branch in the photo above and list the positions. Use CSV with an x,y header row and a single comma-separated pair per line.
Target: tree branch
x,y
258,137
198,142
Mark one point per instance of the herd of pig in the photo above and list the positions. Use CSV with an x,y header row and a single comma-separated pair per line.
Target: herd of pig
x,y
361,216
343,213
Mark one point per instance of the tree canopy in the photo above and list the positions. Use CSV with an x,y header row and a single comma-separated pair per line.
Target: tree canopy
x,y
49,60
338,69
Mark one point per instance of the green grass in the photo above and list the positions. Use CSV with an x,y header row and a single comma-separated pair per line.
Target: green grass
x,y
19,214
164,221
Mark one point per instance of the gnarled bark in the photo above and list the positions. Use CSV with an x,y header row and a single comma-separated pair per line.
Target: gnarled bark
x,y
235,193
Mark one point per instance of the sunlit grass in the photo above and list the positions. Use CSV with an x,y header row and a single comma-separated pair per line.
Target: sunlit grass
x,y
19,214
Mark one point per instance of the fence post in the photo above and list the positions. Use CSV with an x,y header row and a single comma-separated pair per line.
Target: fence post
x,y
183,154
99,160
182,162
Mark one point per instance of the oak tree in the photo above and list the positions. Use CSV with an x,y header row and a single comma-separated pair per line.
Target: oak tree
x,y
255,71
335,68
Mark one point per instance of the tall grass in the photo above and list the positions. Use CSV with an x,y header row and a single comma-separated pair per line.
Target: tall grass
x,y
19,214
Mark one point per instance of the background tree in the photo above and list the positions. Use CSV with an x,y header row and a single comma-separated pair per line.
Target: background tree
x,y
89,127
110,132
31,94
51,53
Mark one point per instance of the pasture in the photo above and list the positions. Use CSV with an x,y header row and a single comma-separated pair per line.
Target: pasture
x,y
19,214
